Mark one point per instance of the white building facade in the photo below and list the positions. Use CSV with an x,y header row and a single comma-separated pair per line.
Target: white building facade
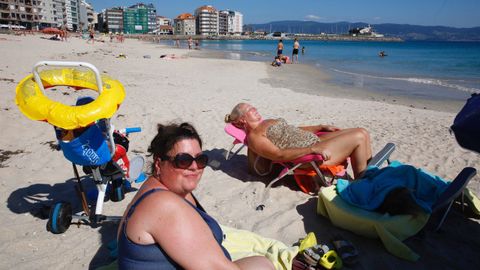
x,y
71,14
206,21
235,23
86,16
50,15
230,22
184,25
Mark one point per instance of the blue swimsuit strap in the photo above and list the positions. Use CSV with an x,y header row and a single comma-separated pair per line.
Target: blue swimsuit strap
x,y
132,208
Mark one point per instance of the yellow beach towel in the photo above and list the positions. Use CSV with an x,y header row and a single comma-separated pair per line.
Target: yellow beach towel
x,y
391,230
242,243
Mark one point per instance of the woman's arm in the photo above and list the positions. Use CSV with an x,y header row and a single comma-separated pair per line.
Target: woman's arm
x,y
181,232
317,128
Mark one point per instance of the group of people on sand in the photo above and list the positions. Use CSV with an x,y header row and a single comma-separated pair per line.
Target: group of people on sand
x,y
118,36
280,58
62,36
166,227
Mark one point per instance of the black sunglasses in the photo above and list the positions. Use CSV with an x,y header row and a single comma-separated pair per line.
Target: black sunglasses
x,y
184,160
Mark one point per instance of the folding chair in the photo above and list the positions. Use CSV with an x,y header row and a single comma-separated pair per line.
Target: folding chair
x,y
289,166
454,190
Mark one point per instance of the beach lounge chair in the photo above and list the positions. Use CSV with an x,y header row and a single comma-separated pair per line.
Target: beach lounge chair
x,y
290,167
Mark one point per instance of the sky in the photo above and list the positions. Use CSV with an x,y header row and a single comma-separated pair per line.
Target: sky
x,y
455,13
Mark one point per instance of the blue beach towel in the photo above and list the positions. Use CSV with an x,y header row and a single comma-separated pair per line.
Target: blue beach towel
x,y
369,192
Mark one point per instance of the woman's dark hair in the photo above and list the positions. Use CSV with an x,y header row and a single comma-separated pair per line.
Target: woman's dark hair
x,y
168,135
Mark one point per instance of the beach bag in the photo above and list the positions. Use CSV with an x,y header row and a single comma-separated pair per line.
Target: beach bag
x,y
466,125
88,149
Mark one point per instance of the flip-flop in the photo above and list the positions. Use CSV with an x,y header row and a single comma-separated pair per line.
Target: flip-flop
x,y
347,251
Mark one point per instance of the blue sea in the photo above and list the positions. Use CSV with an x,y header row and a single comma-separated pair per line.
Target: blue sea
x,y
431,70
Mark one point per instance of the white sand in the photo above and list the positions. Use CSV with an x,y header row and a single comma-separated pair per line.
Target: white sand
x,y
202,91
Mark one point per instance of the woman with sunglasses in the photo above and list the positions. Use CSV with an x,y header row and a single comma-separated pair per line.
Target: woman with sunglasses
x,y
274,139
165,227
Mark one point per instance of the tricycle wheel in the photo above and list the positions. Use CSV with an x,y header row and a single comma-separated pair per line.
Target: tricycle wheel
x,y
60,217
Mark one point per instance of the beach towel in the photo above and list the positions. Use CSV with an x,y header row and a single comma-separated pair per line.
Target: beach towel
x,y
242,243
370,191
391,230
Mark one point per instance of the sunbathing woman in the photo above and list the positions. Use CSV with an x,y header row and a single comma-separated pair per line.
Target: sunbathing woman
x,y
164,227
274,139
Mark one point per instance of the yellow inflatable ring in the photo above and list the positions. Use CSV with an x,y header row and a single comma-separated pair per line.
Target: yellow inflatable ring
x,y
36,106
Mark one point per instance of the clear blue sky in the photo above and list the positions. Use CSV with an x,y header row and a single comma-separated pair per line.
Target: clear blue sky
x,y
456,13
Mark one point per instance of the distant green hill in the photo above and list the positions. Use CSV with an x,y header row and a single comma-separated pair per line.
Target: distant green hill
x,y
403,31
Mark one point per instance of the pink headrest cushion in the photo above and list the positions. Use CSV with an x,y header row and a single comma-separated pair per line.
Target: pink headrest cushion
x,y
237,133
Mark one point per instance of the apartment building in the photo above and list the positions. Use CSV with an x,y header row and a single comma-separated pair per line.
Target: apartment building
x,y
52,13
161,20
86,16
140,19
27,13
230,22
184,24
235,23
206,21
111,20
70,14
223,22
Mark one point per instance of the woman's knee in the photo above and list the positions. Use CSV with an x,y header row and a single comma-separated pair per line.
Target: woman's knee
x,y
362,134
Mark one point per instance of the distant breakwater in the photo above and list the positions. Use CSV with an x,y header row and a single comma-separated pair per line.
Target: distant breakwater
x,y
154,38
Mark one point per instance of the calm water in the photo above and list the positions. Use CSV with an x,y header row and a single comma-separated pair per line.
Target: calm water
x,y
436,70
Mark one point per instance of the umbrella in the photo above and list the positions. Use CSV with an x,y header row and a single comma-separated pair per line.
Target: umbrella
x,y
51,30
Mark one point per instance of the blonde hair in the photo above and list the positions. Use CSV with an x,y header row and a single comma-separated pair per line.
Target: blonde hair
x,y
235,115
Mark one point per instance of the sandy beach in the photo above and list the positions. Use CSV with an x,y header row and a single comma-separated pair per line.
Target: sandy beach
x,y
201,91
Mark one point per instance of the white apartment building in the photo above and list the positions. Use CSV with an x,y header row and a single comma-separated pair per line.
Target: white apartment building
x,y
206,21
52,15
230,22
235,23
86,16
71,14
163,21
184,24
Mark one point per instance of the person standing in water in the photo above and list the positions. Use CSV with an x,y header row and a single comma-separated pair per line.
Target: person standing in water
x,y
280,48
296,45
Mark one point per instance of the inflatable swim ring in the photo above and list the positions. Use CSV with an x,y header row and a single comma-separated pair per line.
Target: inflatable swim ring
x,y
37,106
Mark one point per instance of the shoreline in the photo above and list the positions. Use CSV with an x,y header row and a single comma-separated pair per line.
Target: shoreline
x,y
310,79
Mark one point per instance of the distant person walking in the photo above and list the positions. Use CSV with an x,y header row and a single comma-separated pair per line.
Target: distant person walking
x,y
296,46
190,43
91,36
280,48
64,33
303,50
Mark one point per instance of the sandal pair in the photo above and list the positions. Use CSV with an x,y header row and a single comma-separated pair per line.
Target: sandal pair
x,y
317,257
